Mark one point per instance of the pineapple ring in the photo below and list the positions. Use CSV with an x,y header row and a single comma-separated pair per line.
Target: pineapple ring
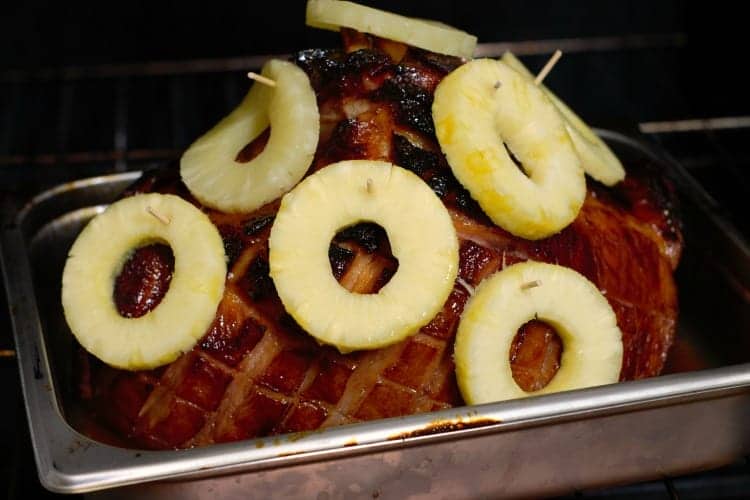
x,y
422,238
186,310
558,295
209,168
484,104
597,159
428,35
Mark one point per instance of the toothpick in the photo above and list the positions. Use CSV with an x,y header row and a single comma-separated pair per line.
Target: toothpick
x,y
261,79
466,285
531,284
548,67
161,218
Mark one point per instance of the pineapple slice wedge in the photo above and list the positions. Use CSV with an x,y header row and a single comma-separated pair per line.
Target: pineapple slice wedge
x,y
209,167
557,295
596,158
422,238
486,115
428,35
187,309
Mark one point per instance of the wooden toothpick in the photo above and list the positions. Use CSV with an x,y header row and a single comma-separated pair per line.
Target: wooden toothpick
x,y
548,67
261,79
466,285
161,218
531,284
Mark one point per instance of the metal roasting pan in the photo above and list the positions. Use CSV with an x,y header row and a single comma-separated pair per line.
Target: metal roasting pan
x,y
693,417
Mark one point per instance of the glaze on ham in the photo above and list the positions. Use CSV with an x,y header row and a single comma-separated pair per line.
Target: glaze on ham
x,y
256,373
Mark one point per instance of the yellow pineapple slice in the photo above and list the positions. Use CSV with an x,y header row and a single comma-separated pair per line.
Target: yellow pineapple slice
x,y
596,158
184,313
486,115
557,295
428,35
209,167
421,235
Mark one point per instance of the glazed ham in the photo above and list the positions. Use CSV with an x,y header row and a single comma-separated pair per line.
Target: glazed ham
x,y
257,373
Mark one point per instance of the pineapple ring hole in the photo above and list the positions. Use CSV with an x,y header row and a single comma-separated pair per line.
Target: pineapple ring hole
x,y
515,160
535,355
361,258
255,147
144,279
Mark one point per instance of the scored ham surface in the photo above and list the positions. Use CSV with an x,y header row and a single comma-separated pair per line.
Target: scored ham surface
x,y
256,373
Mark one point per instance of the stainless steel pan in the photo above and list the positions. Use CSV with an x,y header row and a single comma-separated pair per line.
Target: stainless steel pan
x,y
692,418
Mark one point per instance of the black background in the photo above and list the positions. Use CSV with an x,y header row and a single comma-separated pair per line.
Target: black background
x,y
708,75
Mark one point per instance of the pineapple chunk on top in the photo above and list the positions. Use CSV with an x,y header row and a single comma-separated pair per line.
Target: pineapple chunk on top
x,y
425,34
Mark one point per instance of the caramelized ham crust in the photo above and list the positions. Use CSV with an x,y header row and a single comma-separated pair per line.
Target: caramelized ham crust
x,y
257,373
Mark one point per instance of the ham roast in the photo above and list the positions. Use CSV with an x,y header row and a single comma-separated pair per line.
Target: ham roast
x,y
256,373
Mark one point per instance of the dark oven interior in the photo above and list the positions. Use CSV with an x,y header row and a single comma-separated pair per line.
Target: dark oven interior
x,y
88,91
